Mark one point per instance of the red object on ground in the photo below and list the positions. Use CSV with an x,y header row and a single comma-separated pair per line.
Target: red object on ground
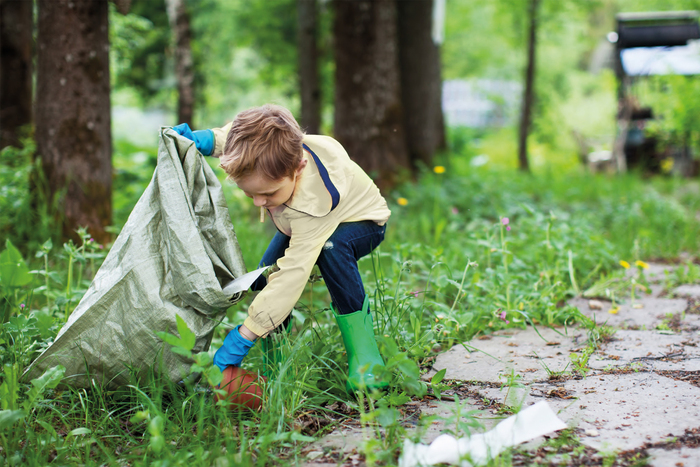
x,y
243,388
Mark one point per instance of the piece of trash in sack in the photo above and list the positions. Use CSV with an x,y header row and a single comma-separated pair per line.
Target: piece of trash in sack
x,y
243,283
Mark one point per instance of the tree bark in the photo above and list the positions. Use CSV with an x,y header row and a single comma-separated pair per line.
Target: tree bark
x,y
73,112
16,24
308,67
179,20
421,82
368,111
529,92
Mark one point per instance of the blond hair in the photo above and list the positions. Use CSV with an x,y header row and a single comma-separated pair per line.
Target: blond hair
x,y
267,140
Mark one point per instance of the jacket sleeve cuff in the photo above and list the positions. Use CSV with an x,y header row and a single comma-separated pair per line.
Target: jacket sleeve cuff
x,y
256,328
220,135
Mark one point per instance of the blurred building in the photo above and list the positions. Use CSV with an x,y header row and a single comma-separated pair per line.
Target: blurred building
x,y
481,103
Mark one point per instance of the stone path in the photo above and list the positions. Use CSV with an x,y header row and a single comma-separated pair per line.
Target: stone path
x,y
638,394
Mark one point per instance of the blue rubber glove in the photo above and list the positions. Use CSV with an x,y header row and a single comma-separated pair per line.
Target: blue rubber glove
x,y
203,139
233,351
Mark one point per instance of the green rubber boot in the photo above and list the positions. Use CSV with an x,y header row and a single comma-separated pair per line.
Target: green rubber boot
x,y
358,337
273,356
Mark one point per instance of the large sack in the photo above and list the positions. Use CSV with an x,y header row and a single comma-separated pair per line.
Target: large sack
x,y
172,257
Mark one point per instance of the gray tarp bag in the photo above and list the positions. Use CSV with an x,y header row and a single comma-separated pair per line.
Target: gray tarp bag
x,y
172,257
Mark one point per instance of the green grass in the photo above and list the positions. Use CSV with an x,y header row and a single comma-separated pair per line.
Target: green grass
x,y
446,272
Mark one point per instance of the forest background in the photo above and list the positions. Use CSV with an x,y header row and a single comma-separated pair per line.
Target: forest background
x,y
369,74
474,244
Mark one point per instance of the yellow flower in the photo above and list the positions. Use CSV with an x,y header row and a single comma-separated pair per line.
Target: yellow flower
x,y
614,310
438,169
642,264
402,201
667,165
624,264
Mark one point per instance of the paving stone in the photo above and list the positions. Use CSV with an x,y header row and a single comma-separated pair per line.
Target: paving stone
x,y
346,439
643,313
655,273
444,423
522,351
622,411
649,350
343,440
691,323
682,457
690,290
656,290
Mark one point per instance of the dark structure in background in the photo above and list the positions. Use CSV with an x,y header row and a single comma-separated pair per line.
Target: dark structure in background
x,y
529,90
368,118
309,83
421,82
646,44
179,19
16,63
73,131
388,86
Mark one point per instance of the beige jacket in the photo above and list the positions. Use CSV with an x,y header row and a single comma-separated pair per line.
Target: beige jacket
x,y
317,208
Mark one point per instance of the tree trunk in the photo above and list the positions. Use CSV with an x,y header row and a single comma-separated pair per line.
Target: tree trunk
x,y
184,65
73,112
368,110
529,92
421,83
308,67
16,24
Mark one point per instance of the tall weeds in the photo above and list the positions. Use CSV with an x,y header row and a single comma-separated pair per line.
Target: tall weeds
x,y
450,269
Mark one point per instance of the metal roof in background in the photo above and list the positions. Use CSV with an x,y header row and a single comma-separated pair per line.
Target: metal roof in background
x,y
659,43
646,17
676,60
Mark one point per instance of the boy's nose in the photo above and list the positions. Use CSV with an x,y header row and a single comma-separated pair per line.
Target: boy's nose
x,y
258,201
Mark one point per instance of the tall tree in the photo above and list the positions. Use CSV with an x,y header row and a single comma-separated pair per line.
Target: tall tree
x,y
529,91
309,85
179,20
16,69
73,112
368,112
421,82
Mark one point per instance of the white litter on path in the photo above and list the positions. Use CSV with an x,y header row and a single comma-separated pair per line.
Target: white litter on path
x,y
528,424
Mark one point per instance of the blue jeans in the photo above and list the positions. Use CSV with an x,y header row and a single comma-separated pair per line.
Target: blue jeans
x,y
337,261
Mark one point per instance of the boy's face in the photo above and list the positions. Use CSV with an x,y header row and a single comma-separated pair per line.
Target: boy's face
x,y
268,193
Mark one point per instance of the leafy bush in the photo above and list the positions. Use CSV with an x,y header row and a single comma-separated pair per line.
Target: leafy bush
x,y
24,214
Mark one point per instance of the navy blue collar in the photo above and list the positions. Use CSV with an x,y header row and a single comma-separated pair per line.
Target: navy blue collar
x,y
332,190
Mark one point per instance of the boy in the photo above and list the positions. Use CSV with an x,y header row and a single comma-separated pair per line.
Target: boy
x,y
327,211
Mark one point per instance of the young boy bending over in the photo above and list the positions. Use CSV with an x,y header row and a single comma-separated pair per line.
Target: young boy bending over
x,y
327,211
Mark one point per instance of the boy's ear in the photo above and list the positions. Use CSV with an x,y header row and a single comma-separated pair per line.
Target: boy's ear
x,y
302,165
